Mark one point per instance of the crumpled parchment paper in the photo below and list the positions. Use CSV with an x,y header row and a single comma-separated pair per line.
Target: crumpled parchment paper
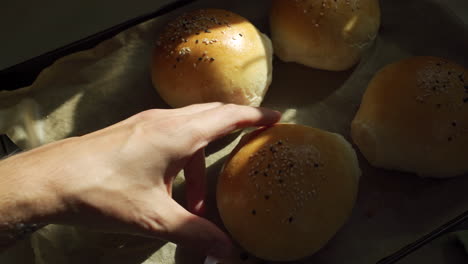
x,y
89,90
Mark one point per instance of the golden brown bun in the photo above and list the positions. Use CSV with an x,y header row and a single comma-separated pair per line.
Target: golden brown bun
x,y
287,191
414,118
325,34
212,55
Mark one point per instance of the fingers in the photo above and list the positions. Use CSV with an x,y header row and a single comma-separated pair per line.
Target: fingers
x,y
192,232
197,108
222,120
158,113
195,180
191,109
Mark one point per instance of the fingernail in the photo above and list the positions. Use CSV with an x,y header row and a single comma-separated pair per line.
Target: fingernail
x,y
278,114
199,208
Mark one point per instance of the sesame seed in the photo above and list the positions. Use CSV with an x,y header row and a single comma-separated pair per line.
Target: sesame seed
x,y
212,59
240,34
185,51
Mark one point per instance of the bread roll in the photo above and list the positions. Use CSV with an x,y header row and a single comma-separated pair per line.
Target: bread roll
x,y
414,118
285,192
212,55
323,34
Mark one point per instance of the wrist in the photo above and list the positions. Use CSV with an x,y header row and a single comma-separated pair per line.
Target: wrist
x,y
27,195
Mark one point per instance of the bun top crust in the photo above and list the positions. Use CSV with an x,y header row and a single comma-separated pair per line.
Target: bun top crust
x,y
324,34
286,192
414,117
212,55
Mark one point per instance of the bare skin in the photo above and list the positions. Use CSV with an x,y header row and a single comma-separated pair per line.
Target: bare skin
x,y
120,178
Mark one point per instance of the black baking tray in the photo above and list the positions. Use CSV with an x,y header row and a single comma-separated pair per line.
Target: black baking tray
x,y
24,73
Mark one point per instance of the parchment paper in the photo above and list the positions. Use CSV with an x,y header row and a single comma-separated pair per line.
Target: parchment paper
x,y
95,88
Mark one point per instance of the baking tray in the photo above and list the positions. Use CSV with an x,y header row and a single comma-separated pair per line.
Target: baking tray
x,y
24,73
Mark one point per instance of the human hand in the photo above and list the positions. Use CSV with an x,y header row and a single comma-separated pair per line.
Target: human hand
x,y
120,178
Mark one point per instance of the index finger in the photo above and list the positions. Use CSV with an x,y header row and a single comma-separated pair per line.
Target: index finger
x,y
219,121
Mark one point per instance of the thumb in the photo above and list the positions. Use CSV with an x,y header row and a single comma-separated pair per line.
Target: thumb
x,y
194,232
195,180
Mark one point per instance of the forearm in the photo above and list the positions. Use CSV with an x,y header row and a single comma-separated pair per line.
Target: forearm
x,y
27,198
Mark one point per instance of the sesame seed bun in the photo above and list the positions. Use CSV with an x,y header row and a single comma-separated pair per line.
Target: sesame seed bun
x,y
212,55
414,118
325,34
286,190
